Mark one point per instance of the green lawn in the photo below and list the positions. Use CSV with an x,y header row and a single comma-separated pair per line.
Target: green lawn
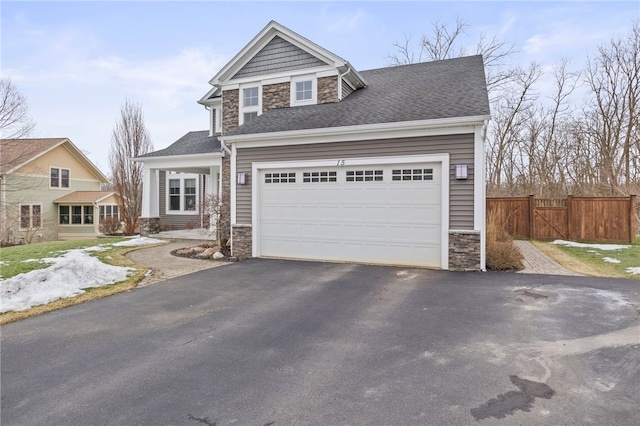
x,y
614,263
17,259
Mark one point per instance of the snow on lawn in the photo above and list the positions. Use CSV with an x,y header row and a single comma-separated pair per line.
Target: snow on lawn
x,y
67,276
610,260
634,271
604,247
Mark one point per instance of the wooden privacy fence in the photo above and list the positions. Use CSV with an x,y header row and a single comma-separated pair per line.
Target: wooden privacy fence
x,y
606,219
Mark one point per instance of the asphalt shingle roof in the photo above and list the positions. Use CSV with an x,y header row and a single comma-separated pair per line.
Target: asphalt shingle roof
x,y
430,90
198,142
83,197
14,152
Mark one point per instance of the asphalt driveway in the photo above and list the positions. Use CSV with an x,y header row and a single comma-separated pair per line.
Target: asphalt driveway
x,y
270,342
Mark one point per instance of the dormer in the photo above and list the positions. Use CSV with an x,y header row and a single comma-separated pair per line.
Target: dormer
x,y
277,69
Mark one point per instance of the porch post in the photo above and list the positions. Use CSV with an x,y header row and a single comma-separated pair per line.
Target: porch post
x,y
150,193
211,190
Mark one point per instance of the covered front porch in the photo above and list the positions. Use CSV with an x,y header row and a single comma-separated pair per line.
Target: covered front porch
x,y
181,184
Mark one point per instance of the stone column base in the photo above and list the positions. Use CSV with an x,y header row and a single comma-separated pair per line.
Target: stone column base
x,y
464,250
241,243
149,225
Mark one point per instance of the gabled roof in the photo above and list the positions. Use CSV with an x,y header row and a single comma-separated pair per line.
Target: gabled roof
x,y
262,39
198,142
85,197
16,153
444,89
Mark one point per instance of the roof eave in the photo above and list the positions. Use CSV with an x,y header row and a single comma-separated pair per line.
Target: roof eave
x,y
380,128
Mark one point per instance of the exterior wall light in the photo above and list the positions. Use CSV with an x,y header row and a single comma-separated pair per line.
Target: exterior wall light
x,y
462,171
242,178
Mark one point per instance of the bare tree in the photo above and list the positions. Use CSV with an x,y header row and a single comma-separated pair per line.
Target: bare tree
x,y
15,122
128,140
446,42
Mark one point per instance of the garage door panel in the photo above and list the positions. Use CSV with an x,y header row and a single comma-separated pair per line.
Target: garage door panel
x,y
393,222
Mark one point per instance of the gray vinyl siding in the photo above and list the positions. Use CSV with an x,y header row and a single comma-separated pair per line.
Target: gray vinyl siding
x,y
459,147
278,56
174,221
346,89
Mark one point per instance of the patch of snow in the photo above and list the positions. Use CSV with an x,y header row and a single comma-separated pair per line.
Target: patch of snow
x,y
138,241
2,262
67,276
594,252
634,270
610,260
101,247
603,247
31,260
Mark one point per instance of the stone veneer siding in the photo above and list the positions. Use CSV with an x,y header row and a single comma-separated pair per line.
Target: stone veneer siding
x,y
149,225
241,247
230,109
276,96
225,209
327,89
464,250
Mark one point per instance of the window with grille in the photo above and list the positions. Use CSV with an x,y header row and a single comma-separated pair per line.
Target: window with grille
x,y
190,194
364,175
279,178
30,216
308,177
411,174
174,194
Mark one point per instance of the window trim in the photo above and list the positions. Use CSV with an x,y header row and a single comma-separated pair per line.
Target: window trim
x,y
59,178
30,216
242,109
314,89
82,214
182,177
102,212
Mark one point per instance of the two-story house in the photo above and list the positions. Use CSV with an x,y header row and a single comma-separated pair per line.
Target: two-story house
x,y
50,190
314,159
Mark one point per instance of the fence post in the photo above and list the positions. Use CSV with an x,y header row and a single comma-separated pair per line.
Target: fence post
x,y
532,219
632,218
569,216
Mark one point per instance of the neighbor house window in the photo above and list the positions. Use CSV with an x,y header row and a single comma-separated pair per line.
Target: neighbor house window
x,y
88,215
108,211
250,103
182,192
59,177
30,216
75,215
64,215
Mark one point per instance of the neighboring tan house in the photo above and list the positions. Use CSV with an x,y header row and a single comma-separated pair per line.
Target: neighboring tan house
x,y
50,190
316,160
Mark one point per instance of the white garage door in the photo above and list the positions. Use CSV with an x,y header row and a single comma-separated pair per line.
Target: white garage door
x,y
389,214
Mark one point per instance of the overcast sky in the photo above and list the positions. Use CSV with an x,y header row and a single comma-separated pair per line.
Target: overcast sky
x,y
76,62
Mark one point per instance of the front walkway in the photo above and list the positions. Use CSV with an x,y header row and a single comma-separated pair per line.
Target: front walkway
x,y
536,262
163,265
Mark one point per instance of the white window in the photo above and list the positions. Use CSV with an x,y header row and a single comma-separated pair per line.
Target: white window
x,y
304,90
182,193
30,216
250,96
250,102
59,178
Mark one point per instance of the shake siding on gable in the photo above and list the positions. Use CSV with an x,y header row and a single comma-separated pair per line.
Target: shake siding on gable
x,y
278,56
459,147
